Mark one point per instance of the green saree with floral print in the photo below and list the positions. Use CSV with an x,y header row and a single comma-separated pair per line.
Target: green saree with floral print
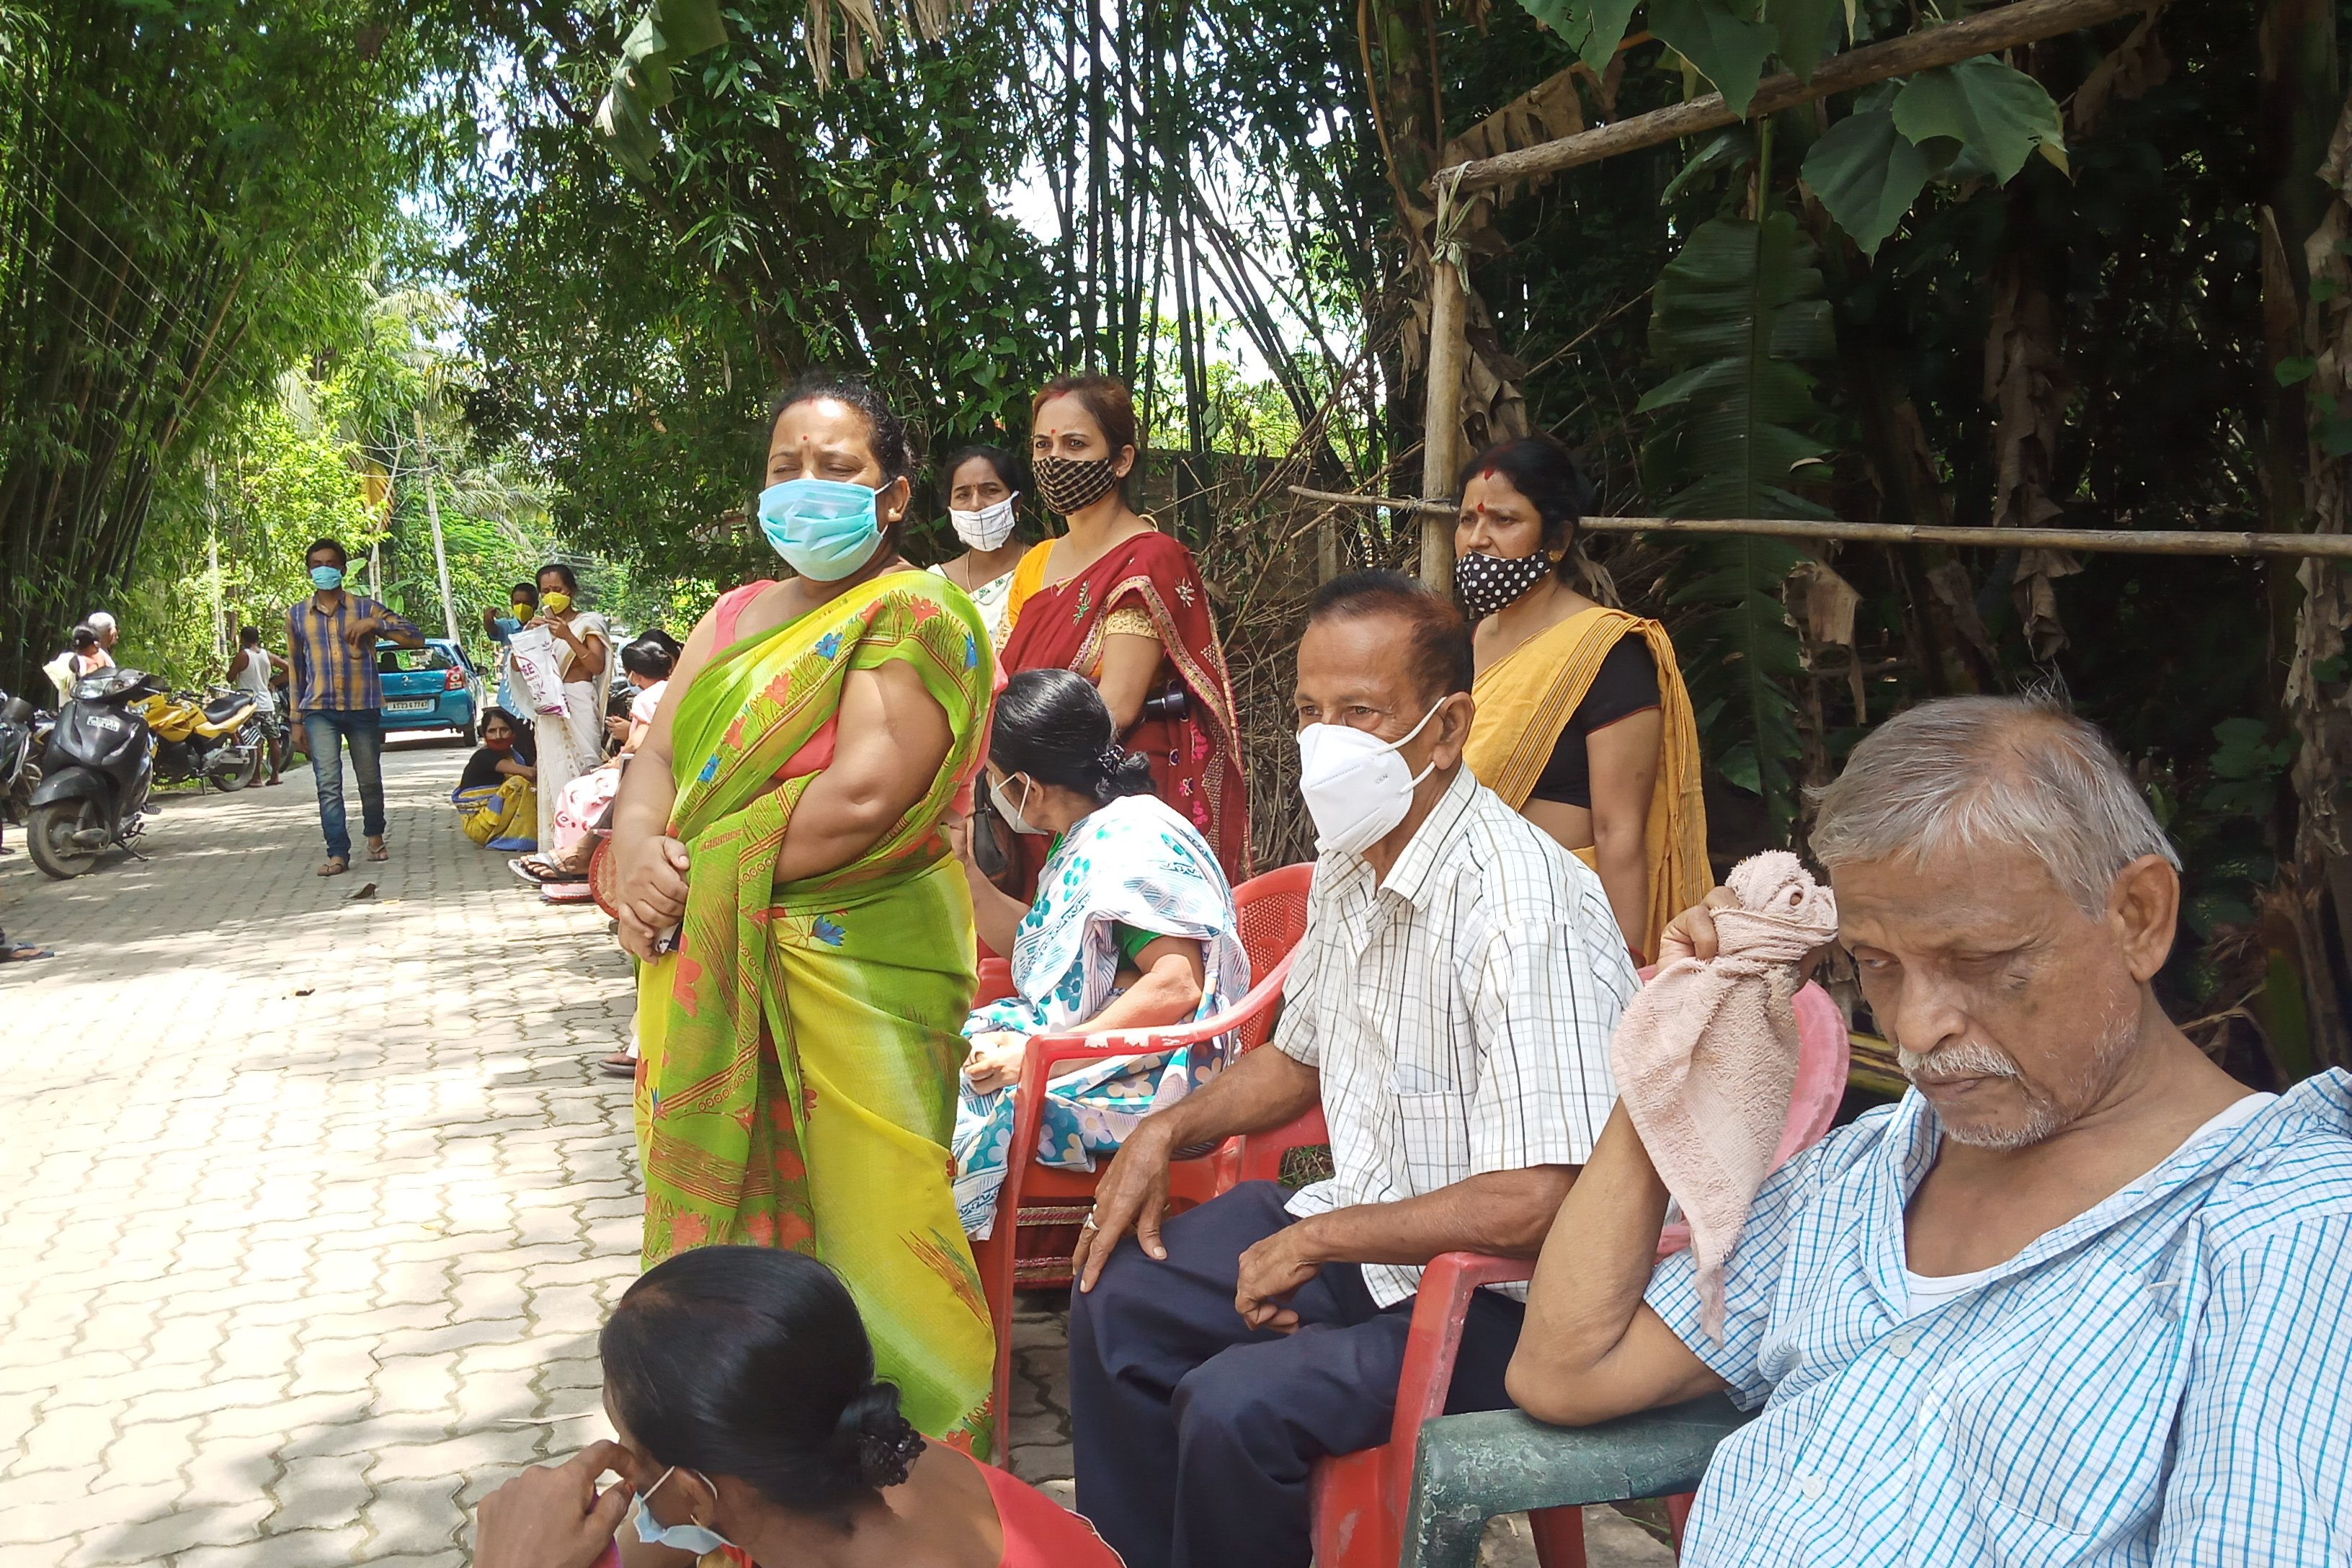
x,y
800,1049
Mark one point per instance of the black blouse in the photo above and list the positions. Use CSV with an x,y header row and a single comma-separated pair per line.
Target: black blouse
x,y
1626,683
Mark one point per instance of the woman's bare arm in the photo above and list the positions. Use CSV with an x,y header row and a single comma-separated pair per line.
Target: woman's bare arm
x,y
1169,992
650,865
1128,663
996,915
894,737
1623,760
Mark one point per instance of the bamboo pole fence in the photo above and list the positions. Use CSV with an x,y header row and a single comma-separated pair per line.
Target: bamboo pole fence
x,y
2127,541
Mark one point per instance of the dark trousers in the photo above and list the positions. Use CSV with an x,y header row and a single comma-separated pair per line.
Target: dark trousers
x,y
1194,1434
362,730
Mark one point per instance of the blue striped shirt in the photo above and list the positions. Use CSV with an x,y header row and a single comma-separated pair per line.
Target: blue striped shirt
x,y
328,672
2160,1380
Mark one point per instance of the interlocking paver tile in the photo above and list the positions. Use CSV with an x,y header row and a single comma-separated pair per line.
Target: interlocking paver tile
x,y
252,1233
288,1278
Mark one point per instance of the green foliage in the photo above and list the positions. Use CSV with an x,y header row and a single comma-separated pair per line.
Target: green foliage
x,y
1867,174
1736,315
2246,768
635,331
1993,110
1955,122
1591,28
188,191
1729,48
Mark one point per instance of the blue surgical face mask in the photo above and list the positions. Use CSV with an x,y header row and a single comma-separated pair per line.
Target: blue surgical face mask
x,y
691,1538
823,527
325,577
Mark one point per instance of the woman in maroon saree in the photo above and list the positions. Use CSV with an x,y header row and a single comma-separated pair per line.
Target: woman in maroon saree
x,y
1123,604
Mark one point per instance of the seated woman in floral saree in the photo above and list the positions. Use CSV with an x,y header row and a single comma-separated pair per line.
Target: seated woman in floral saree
x,y
778,862
1132,927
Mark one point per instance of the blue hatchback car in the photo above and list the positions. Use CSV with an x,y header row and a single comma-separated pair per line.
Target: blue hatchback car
x,y
431,688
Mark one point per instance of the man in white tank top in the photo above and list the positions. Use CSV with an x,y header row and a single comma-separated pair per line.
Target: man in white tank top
x,y
249,669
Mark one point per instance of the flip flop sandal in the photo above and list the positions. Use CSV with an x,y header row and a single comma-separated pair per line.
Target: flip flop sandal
x,y
17,952
620,1064
534,870
334,867
566,893
380,852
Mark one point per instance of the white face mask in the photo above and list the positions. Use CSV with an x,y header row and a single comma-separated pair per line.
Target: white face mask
x,y
1356,785
986,529
1012,813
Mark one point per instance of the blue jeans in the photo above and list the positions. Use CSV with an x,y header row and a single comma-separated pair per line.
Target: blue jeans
x,y
363,729
1195,1434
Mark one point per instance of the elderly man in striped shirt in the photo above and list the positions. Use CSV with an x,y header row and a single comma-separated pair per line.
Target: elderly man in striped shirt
x,y
2080,1298
1450,1006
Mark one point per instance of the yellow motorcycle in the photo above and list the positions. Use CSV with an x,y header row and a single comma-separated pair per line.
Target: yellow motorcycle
x,y
219,738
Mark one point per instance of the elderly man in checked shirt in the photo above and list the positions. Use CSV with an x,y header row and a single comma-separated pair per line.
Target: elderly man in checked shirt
x,y
2080,1298
1451,1007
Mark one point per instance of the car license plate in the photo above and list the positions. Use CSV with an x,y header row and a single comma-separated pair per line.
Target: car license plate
x,y
409,705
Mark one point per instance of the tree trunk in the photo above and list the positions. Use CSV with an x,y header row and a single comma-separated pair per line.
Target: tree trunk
x,y
2319,699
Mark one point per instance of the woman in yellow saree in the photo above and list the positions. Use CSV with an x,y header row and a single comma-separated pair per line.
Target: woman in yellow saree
x,y
1582,723
800,1033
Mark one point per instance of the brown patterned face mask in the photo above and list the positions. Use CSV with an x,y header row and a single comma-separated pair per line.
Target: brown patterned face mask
x,y
1071,484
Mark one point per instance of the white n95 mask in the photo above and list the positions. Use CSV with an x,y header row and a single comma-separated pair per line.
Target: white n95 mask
x,y
1356,785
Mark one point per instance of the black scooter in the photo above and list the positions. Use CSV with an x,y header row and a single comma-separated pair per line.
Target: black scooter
x,y
19,772
99,764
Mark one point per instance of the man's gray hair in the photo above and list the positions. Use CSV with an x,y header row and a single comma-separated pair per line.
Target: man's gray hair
x,y
1975,772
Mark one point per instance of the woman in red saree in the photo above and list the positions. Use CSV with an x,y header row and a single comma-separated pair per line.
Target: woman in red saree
x,y
1123,604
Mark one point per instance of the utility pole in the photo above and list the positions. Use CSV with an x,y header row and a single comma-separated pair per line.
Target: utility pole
x,y
433,516
217,591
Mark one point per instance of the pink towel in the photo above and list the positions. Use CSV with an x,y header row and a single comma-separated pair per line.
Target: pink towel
x,y
1705,1057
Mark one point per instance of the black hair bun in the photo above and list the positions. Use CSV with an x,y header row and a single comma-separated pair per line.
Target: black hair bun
x,y
883,1444
1124,773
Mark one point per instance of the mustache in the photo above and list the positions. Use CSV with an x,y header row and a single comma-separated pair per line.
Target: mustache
x,y
1969,1059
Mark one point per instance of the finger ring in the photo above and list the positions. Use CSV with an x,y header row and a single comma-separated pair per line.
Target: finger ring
x,y
1088,1223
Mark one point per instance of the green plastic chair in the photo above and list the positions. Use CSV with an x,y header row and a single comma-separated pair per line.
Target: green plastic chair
x,y
1472,1468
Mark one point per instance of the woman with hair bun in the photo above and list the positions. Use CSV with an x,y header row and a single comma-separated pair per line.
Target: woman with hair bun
x,y
1582,724
1133,927
740,1384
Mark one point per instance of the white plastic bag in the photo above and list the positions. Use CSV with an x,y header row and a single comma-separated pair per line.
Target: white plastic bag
x,y
539,667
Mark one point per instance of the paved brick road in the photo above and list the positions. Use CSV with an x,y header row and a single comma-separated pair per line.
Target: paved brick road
x,y
314,1204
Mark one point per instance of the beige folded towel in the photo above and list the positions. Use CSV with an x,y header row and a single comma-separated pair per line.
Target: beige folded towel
x,y
1705,1057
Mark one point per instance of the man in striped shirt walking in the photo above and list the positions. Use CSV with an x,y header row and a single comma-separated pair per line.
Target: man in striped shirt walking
x,y
338,696
2080,1298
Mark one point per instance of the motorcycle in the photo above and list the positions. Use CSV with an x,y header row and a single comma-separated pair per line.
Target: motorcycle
x,y
221,739
100,765
18,770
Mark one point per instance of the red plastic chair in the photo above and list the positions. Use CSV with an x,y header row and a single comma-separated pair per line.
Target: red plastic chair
x,y
1359,1498
1271,911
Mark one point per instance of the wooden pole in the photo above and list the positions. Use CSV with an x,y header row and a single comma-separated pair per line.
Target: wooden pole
x,y
433,515
1441,430
2002,27
2133,542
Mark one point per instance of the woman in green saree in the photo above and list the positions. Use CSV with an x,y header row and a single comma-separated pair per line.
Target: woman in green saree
x,y
800,1031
